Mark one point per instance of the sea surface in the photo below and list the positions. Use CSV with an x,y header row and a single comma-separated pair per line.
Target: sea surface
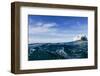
x,y
63,50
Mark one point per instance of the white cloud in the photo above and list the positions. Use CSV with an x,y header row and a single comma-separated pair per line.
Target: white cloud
x,y
49,25
39,24
50,37
44,32
47,40
47,32
41,28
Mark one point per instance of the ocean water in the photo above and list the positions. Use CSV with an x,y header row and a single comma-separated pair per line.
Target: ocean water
x,y
52,51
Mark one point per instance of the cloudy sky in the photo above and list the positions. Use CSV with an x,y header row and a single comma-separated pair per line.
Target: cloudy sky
x,y
53,29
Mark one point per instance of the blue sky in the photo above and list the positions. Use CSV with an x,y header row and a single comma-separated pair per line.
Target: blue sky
x,y
52,29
